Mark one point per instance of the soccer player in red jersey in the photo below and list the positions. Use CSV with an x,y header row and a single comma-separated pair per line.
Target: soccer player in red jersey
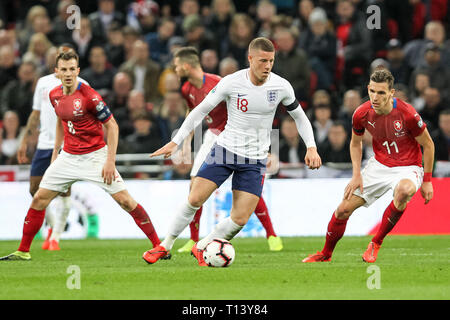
x,y
194,90
81,113
398,132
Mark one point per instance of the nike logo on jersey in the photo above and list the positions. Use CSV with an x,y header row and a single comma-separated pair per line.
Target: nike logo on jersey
x,y
241,95
372,124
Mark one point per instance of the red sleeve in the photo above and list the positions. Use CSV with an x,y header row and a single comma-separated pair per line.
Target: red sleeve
x,y
357,126
414,122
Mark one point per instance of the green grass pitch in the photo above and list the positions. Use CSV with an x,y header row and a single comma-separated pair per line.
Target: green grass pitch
x,y
408,267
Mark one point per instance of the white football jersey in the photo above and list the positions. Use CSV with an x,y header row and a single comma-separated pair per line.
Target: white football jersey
x,y
251,110
41,102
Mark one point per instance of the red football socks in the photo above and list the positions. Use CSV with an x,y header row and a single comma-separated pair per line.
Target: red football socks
x,y
263,215
143,221
33,222
335,231
195,224
390,217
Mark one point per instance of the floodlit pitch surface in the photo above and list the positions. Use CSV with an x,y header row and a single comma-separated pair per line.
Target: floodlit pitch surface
x,y
408,267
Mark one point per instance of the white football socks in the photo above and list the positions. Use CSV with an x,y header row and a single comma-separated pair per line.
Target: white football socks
x,y
225,229
63,209
181,220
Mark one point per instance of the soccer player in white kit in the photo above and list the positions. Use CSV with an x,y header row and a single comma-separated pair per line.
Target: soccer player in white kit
x,y
43,115
252,97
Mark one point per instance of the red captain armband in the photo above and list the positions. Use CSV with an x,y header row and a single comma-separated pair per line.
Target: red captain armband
x,y
427,177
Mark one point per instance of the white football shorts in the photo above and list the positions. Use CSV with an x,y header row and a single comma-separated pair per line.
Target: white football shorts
x,y
209,138
378,179
70,168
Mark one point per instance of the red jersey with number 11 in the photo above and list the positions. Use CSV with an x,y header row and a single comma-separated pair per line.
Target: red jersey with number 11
x,y
82,114
393,134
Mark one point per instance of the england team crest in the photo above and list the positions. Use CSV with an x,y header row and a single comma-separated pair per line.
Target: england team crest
x,y
272,96
77,104
398,125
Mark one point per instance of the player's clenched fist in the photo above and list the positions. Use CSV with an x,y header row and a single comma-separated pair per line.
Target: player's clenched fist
x,y
312,158
166,150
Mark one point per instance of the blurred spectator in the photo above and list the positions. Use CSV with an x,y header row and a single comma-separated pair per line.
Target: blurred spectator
x,y
321,121
83,41
37,20
168,81
18,94
401,92
351,101
292,147
9,138
335,148
397,64
143,71
304,9
8,66
228,66
130,35
37,49
135,104
143,15
118,97
241,32
415,49
197,35
265,12
102,19
438,72
320,46
100,73
186,8
292,62
115,50
171,114
60,32
158,41
441,137
433,106
146,136
417,89
354,44
222,13
50,61
209,61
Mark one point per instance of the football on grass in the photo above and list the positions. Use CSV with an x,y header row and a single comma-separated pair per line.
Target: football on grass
x,y
219,253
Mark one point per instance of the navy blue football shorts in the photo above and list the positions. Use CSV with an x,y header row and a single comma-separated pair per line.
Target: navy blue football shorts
x,y
248,174
41,161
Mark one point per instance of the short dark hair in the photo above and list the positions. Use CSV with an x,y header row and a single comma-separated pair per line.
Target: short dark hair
x,y
381,74
66,56
188,55
261,43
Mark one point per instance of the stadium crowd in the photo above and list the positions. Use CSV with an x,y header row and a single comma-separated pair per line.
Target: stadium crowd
x,y
325,48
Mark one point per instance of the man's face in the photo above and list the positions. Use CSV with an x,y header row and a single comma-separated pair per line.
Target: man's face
x,y
380,96
432,97
284,40
337,136
181,68
261,63
67,71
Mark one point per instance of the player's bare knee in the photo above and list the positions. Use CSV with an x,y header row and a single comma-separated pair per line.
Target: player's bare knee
x,y
343,211
404,191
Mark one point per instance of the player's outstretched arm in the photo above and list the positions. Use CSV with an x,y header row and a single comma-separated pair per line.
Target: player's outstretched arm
x,y
112,138
304,128
427,143
167,150
32,124
356,156
59,138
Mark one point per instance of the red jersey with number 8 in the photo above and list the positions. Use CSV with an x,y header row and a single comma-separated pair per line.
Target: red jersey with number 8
x,y
217,117
82,114
393,134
